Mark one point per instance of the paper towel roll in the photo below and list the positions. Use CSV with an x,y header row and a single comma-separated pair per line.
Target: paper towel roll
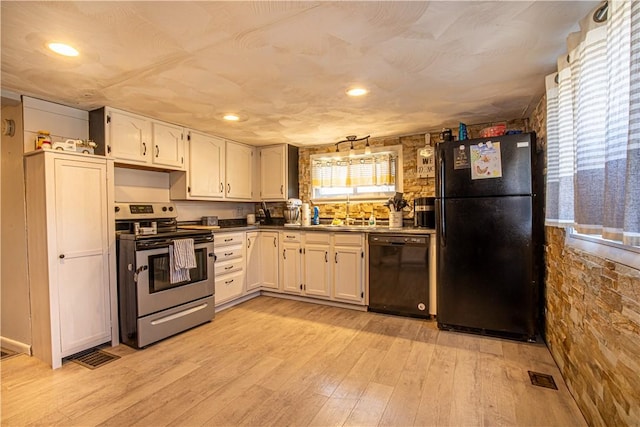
x,y
306,214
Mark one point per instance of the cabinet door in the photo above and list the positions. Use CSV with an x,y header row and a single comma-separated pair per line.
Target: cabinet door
x,y
254,246
273,185
168,145
129,136
206,166
347,276
317,270
269,259
239,171
82,255
291,263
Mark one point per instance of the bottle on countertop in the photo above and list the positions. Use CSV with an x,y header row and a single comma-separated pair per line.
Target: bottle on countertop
x,y
372,220
316,216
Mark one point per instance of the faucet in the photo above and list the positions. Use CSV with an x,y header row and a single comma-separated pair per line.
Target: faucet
x,y
347,219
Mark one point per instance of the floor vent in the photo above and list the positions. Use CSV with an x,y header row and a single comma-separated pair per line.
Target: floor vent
x,y
5,354
94,358
542,380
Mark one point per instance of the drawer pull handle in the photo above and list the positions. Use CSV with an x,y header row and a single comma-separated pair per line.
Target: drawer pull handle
x,y
228,281
228,253
228,240
228,268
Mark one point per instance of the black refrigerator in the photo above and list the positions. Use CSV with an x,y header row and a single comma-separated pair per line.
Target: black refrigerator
x,y
490,234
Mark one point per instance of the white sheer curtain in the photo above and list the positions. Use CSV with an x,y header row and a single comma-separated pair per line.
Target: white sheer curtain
x,y
368,170
593,129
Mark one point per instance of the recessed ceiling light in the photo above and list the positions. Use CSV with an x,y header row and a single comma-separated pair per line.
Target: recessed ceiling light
x,y
357,91
63,49
231,117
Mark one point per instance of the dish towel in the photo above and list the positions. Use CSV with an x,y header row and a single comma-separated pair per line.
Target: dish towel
x,y
181,258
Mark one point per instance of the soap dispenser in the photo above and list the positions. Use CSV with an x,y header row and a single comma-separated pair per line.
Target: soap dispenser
x,y
316,216
372,220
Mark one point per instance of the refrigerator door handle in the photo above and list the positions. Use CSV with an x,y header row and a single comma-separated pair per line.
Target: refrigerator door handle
x,y
443,225
441,170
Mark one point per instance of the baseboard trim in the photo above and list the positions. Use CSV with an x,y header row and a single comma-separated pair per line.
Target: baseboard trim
x,y
16,346
314,300
237,301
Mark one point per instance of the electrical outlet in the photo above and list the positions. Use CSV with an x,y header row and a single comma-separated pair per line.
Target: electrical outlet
x,y
239,212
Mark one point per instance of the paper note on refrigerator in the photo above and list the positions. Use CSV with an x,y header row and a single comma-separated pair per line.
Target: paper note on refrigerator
x,y
486,161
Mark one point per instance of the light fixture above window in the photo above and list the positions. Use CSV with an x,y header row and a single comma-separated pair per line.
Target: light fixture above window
x,y
357,91
63,49
352,139
231,117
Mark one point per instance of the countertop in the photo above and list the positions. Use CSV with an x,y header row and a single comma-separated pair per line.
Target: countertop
x,y
331,228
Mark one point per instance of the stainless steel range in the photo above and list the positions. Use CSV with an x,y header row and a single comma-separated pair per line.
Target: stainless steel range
x,y
154,302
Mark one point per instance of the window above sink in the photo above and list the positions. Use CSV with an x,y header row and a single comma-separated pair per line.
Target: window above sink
x,y
356,175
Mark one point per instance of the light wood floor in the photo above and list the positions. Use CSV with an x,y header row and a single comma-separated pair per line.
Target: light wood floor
x,y
279,362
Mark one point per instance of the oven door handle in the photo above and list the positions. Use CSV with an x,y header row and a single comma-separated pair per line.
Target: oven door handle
x,y
138,271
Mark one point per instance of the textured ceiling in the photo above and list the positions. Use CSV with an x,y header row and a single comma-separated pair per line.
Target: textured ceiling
x,y
285,66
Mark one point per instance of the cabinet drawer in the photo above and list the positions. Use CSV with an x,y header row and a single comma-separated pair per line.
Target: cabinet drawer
x,y
348,239
226,239
231,266
317,237
227,252
229,286
290,236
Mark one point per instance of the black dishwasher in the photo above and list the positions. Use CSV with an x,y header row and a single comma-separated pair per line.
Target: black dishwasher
x,y
399,274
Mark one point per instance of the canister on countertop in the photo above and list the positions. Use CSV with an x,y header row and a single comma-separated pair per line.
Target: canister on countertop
x,y
209,220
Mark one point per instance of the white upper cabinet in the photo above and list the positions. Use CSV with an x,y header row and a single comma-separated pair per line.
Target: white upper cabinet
x,y
128,136
278,172
137,140
239,171
204,178
168,145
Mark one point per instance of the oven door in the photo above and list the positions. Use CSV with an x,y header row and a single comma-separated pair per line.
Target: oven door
x,y
154,288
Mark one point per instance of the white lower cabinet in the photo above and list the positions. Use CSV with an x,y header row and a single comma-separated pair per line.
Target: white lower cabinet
x,y
317,265
291,262
229,266
71,248
348,268
269,259
323,265
254,261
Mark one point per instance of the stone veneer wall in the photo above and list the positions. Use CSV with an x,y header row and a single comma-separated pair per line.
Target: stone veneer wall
x,y
413,186
592,324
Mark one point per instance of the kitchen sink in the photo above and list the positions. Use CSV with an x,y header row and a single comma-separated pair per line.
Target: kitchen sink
x,y
352,227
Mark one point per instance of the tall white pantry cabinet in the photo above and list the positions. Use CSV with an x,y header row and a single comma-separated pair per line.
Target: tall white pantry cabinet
x,y
71,248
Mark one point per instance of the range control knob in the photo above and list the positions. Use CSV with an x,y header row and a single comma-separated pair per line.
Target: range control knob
x,y
170,208
164,209
117,208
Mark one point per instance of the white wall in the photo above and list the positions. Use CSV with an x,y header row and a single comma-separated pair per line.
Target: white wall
x,y
15,326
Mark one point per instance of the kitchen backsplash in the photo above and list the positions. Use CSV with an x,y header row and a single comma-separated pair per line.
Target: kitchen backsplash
x,y
413,186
